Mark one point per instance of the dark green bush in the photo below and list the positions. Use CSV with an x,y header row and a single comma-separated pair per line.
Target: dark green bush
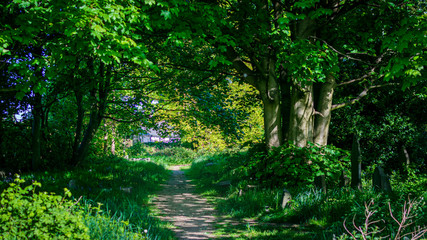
x,y
294,166
25,214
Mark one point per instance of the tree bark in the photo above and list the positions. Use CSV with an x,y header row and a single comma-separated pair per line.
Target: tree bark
x,y
323,112
301,115
113,138
79,123
270,95
264,80
356,164
90,131
36,160
99,103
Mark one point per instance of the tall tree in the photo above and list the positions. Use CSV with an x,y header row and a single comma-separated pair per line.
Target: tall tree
x,y
85,46
296,53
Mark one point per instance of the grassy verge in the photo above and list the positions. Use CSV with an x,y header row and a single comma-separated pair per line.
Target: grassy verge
x,y
114,195
311,214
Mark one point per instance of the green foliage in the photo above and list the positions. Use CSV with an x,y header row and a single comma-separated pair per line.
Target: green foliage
x,y
413,182
115,195
104,226
27,214
290,165
167,153
322,215
388,123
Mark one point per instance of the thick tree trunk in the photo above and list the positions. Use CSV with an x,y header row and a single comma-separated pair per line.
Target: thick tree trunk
x,y
272,123
285,91
323,112
113,138
113,146
36,161
301,115
270,95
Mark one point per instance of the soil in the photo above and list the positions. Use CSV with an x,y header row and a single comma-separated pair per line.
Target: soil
x,y
192,215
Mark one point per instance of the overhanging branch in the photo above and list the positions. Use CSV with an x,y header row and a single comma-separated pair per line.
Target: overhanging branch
x,y
360,96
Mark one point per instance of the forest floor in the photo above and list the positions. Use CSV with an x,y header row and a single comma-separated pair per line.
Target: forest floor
x,y
192,216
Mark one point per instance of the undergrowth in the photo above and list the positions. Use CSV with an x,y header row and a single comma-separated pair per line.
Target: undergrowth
x,y
111,194
241,194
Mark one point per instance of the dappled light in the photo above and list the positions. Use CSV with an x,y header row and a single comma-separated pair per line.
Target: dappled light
x,y
224,119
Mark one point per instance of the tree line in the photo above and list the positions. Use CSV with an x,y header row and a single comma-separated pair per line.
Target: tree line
x,y
84,70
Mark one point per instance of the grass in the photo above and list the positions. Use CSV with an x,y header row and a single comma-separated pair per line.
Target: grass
x,y
172,154
317,215
115,195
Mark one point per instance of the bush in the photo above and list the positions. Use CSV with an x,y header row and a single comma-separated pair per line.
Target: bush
x,y
290,165
27,214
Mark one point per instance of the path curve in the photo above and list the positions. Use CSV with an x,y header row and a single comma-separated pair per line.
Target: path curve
x,y
192,215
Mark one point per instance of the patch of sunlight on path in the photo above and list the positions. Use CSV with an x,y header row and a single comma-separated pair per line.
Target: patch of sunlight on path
x,y
194,218
192,215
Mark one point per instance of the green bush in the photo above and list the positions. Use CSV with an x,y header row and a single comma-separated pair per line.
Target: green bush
x,y
290,165
25,214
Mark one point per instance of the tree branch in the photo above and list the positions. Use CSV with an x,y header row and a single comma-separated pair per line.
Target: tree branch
x,y
360,96
241,67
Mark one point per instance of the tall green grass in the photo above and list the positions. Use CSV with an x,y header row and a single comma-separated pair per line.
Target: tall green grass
x,y
321,215
115,194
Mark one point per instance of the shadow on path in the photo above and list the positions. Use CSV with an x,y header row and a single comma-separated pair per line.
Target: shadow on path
x,y
192,215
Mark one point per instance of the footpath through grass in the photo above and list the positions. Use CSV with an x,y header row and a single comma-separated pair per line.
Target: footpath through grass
x,y
112,197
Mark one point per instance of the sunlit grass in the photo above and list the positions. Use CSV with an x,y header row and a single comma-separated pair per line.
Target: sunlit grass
x,y
122,188
319,215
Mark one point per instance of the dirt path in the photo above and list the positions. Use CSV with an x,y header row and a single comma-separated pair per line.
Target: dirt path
x,y
193,217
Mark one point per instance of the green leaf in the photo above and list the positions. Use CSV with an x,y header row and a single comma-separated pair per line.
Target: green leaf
x,y
165,14
20,95
150,2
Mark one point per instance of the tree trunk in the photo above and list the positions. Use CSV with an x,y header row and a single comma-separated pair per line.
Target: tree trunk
x,y
356,164
285,91
113,146
301,115
79,123
105,138
36,161
99,104
90,131
270,95
323,112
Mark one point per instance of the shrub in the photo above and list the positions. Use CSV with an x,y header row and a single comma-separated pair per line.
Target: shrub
x,y
290,165
27,214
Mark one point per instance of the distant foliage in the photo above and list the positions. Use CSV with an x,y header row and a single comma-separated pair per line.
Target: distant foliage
x,y
173,153
25,214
